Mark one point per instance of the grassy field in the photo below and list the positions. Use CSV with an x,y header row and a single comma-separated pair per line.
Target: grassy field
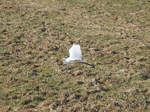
x,y
35,35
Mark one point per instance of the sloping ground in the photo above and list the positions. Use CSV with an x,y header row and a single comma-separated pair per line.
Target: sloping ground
x,y
36,34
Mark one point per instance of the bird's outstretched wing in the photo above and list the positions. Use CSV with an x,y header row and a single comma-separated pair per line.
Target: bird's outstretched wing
x,y
75,52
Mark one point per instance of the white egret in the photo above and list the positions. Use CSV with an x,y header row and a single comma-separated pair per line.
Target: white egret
x,y
75,55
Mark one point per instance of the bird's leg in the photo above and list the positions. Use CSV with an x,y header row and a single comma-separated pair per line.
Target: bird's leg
x,y
84,62
87,64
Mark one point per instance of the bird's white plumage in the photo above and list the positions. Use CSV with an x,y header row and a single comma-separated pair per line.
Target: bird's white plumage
x,y
75,54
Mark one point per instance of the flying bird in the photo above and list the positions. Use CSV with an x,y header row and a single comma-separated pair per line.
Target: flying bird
x,y
75,55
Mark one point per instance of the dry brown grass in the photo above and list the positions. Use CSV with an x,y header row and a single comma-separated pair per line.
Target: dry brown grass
x,y
36,34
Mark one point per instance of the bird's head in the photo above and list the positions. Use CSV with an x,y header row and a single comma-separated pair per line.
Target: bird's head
x,y
64,61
